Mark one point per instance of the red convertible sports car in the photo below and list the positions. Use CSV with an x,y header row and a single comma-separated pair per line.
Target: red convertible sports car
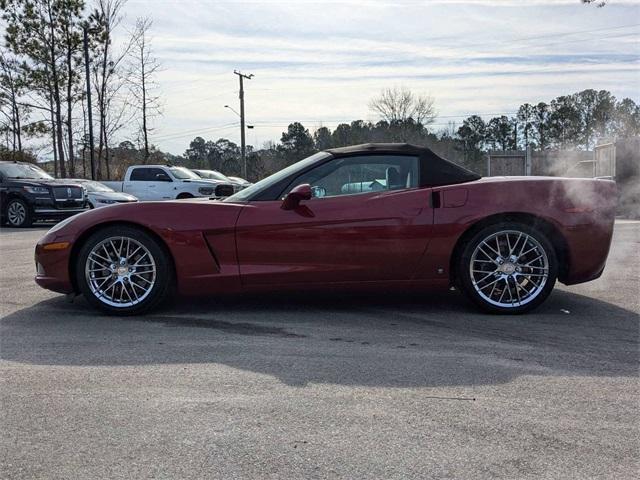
x,y
367,216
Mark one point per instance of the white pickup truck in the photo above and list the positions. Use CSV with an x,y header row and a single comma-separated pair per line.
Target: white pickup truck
x,y
166,182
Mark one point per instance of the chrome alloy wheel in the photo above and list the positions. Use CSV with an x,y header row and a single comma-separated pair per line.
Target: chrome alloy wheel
x,y
120,271
16,213
509,268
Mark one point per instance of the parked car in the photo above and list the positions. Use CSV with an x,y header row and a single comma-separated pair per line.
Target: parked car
x,y
99,195
238,183
241,181
166,182
503,241
28,194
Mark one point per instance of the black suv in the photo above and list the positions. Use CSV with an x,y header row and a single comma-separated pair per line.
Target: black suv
x,y
28,193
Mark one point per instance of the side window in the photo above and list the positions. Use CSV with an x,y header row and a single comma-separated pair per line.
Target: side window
x,y
158,175
146,174
140,175
362,174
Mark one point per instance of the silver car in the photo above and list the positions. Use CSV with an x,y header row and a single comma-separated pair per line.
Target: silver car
x,y
237,182
100,195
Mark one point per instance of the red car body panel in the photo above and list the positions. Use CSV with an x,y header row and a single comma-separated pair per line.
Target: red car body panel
x,y
368,237
582,212
390,238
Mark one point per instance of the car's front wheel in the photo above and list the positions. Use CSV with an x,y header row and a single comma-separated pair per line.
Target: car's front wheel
x,y
123,270
508,267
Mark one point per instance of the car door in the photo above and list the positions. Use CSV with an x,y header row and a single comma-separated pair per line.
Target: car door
x,y
166,186
144,184
367,221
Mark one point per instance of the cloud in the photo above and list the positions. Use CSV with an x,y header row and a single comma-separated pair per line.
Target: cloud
x,y
322,61
534,3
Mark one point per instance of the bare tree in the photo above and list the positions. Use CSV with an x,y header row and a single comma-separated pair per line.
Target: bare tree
x,y
143,69
399,104
109,78
10,91
71,44
7,123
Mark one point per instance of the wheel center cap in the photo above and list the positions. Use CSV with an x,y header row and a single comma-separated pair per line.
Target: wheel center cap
x,y
508,268
122,271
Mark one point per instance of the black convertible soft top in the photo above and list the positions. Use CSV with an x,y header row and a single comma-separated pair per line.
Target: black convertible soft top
x,y
434,170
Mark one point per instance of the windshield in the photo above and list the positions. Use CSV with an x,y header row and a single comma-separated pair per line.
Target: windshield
x,y
20,170
212,174
95,187
182,173
247,193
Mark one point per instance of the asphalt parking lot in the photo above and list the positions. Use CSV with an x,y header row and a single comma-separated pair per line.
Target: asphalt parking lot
x,y
376,386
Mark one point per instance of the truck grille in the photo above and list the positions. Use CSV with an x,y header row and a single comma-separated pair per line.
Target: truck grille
x,y
67,193
224,190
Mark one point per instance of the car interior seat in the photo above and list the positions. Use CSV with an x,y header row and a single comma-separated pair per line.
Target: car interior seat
x,y
393,179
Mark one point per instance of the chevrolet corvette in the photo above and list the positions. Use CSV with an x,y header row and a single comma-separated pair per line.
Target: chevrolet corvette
x,y
374,216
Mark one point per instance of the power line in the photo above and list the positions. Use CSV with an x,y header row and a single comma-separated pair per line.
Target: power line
x,y
170,136
211,97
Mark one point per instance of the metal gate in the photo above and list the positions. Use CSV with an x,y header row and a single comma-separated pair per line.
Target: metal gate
x,y
604,157
508,163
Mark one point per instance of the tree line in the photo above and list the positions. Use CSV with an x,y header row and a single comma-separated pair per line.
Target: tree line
x,y
43,94
568,122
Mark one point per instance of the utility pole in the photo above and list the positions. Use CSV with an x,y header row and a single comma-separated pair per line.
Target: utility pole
x,y
243,153
89,118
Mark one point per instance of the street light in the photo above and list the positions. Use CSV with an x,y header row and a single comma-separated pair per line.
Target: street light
x,y
230,108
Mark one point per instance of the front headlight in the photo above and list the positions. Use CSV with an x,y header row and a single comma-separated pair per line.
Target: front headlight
x,y
206,190
36,189
107,201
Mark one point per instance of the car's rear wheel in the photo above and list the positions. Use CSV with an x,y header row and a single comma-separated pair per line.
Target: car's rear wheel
x,y
123,270
18,213
508,267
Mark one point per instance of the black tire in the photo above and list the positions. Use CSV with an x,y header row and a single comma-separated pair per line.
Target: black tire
x,y
184,195
487,300
23,220
163,280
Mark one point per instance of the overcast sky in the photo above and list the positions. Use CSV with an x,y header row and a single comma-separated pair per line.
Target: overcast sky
x,y
321,62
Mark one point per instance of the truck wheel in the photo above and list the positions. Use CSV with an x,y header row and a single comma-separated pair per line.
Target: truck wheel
x,y
18,213
508,267
123,270
184,195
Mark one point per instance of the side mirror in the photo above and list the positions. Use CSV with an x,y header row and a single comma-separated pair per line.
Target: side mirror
x,y
162,177
295,196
